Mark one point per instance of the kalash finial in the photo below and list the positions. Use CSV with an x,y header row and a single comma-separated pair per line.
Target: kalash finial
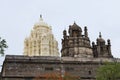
x,y
41,19
100,35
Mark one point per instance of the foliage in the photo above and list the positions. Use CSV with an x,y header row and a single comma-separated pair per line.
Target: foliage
x,y
109,71
3,45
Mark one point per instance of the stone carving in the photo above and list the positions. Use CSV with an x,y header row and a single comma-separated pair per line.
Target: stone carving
x,y
75,43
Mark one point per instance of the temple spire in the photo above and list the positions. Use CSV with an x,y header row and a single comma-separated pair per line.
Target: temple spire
x,y
42,40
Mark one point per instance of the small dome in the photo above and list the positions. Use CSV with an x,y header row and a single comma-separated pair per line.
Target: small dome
x,y
64,31
75,27
100,39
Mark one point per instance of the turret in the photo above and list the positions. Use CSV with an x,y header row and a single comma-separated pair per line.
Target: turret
x,y
109,47
64,34
85,31
100,40
100,49
75,44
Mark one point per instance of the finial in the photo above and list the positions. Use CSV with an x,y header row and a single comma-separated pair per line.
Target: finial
x,y
41,19
100,35
85,27
40,16
108,41
74,22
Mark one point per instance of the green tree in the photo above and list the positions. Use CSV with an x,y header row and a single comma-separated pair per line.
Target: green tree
x,y
109,71
3,45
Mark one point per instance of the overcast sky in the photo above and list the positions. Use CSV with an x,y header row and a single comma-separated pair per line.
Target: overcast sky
x,y
17,18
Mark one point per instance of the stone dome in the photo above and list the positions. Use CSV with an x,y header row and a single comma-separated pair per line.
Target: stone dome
x,y
100,39
75,27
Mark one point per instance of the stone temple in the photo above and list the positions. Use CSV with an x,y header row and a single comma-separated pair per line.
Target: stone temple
x,y
77,44
79,57
41,42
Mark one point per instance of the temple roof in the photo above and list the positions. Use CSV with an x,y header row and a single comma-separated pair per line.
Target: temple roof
x,y
75,27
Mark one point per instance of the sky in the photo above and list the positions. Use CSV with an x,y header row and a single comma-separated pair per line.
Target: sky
x,y
17,18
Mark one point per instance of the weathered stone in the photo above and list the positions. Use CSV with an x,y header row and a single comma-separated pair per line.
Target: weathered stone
x,y
25,67
78,59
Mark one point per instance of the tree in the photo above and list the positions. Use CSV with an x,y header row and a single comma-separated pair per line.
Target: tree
x,y
109,71
3,45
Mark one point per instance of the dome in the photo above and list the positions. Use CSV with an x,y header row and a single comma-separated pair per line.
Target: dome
x,y
100,39
64,31
75,27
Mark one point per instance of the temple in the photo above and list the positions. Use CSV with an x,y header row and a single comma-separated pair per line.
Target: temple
x,y
41,42
79,57
76,44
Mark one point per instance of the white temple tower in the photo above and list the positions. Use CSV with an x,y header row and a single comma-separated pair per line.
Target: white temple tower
x,y
41,41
